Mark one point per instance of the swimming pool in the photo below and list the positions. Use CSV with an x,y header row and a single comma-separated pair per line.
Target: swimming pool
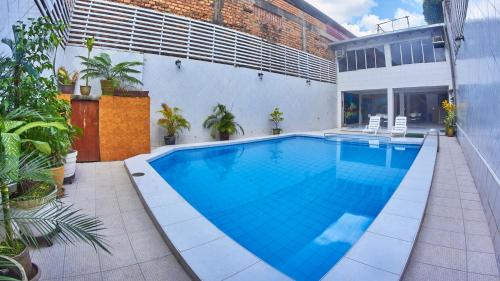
x,y
298,203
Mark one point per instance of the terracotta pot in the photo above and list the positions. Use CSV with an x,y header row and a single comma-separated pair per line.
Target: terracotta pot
x,y
67,89
85,90
169,140
58,175
25,260
223,136
276,131
450,132
107,87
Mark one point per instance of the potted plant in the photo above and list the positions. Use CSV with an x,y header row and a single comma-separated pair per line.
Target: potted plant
x,y
66,80
10,268
222,123
101,66
450,118
89,43
173,122
276,117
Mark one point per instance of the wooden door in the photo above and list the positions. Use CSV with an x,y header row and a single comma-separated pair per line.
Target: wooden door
x,y
86,116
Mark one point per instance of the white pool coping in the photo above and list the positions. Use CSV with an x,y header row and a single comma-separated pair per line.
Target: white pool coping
x,y
207,253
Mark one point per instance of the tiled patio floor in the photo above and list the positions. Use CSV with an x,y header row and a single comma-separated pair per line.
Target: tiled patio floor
x,y
139,253
454,242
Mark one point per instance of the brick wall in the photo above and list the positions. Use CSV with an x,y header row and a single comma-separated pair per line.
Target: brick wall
x,y
274,20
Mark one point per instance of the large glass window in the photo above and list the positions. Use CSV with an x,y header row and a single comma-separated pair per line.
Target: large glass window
x,y
416,49
360,59
396,54
428,48
406,52
351,60
342,64
370,58
439,54
380,56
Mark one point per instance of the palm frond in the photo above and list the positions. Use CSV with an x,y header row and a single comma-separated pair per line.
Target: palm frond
x,y
74,226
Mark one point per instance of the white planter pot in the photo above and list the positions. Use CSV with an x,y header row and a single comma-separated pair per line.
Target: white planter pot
x,y
70,164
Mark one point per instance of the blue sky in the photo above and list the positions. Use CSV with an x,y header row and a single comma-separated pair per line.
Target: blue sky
x,y
361,16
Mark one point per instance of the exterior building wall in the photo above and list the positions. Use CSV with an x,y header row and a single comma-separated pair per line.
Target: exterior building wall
x,y
478,100
277,21
198,86
389,78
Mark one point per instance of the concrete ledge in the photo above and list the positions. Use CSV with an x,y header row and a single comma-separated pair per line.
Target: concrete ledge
x,y
209,254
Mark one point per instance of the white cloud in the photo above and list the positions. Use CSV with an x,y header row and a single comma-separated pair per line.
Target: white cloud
x,y
344,11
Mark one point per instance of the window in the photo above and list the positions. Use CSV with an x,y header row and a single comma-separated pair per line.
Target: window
x,y
370,58
416,49
351,60
396,54
342,64
380,56
406,53
439,54
428,50
360,59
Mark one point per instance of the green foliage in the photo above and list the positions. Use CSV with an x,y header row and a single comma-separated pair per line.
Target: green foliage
x,y
11,269
102,67
22,83
222,121
276,117
173,122
66,78
433,11
89,43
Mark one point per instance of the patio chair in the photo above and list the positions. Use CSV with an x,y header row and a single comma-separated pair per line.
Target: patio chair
x,y
400,127
373,125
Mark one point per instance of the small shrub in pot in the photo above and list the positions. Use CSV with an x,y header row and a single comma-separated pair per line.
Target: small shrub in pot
x,y
173,122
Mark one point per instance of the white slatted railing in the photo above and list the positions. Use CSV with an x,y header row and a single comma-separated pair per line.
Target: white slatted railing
x,y
136,29
57,10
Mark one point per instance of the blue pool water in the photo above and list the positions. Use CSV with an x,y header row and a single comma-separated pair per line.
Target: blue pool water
x,y
298,203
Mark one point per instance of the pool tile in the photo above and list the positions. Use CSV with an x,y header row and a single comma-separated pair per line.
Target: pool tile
x,y
191,233
259,272
350,270
404,208
218,259
382,252
403,228
174,213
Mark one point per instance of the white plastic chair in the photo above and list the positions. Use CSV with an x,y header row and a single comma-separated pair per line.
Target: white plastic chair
x,y
400,127
373,125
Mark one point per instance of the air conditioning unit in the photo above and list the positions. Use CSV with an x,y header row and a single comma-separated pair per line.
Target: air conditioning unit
x,y
340,53
438,41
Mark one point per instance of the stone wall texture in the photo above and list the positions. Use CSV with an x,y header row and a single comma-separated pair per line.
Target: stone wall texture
x,y
277,21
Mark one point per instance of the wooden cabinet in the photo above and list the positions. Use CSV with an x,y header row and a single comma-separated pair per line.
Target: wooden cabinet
x,y
86,116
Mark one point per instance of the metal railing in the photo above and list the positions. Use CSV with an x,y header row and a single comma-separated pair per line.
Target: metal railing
x,y
142,30
57,10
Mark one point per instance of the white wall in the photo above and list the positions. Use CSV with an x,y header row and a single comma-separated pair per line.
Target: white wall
x,y
198,86
12,11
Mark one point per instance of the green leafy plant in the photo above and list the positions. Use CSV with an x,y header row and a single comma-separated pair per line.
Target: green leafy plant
x,y
22,83
222,122
433,11
276,117
89,43
173,122
66,78
102,67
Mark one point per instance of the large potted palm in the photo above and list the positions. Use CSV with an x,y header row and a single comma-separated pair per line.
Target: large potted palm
x,y
221,123
102,67
173,122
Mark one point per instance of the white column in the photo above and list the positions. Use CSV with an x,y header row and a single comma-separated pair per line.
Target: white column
x,y
390,108
340,109
402,104
359,107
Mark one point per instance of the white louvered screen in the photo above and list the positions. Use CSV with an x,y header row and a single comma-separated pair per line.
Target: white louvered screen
x,y
136,29
57,10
